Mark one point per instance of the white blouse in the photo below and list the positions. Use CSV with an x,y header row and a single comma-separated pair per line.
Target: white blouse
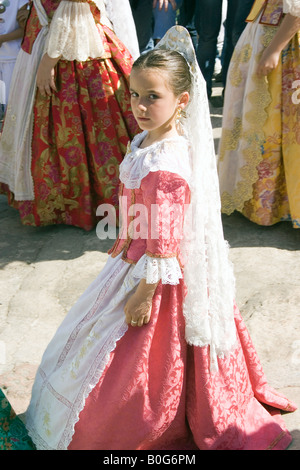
x,y
68,36
292,7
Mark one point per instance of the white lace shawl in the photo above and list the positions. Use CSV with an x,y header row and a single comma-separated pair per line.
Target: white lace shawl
x,y
208,273
170,155
68,36
292,7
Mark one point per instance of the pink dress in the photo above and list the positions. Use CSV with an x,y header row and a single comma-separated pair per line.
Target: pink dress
x,y
154,391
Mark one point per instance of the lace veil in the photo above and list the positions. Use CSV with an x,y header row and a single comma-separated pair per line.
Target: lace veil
x,y
209,304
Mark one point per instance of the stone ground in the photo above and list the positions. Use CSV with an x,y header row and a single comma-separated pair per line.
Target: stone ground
x,y
44,270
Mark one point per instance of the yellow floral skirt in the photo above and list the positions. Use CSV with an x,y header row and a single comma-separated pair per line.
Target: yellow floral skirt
x,y
259,154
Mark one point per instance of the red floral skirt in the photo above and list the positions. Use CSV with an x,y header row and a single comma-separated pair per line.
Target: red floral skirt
x,y
80,136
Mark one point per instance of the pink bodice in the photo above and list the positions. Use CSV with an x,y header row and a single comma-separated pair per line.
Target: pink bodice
x,y
152,217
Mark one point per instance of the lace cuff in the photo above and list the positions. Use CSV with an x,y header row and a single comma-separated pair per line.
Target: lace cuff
x,y
292,7
155,269
68,35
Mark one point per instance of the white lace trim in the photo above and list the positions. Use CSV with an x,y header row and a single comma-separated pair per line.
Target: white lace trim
x,y
168,155
292,7
73,33
155,269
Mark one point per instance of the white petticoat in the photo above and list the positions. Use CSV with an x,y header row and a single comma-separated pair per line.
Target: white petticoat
x,y
77,355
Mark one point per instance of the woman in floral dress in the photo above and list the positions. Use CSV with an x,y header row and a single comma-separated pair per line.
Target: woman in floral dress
x,y
13,433
259,168
61,145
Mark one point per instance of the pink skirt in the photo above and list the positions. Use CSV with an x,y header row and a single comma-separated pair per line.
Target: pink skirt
x,y
157,393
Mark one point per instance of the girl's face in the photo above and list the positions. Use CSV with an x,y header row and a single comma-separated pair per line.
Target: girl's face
x,y
153,103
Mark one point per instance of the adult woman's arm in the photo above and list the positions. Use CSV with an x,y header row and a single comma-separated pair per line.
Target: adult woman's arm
x,y
271,55
68,39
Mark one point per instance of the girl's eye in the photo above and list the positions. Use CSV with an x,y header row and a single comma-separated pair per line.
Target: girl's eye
x,y
153,96
134,94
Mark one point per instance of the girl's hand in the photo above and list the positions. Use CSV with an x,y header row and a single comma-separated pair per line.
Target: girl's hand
x,y
45,75
268,62
137,312
138,307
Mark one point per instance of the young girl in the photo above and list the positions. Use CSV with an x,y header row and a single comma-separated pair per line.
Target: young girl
x,y
146,360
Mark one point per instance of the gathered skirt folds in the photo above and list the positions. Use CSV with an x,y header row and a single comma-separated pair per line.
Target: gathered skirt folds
x,y
103,385
259,166
80,136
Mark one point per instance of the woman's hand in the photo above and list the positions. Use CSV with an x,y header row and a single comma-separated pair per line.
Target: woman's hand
x,y
165,3
270,57
268,62
138,307
22,15
45,75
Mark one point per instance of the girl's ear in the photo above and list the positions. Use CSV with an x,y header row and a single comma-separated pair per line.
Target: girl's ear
x,y
183,99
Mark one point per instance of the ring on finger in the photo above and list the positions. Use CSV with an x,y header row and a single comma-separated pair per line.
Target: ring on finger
x,y
133,322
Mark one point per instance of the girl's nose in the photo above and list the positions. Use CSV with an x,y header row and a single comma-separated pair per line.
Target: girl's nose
x,y
141,105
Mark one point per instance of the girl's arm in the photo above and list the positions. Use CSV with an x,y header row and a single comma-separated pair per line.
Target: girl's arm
x,y
270,57
67,39
16,34
164,196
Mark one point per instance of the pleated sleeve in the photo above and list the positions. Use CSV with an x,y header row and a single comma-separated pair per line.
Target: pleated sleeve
x,y
165,196
292,7
73,34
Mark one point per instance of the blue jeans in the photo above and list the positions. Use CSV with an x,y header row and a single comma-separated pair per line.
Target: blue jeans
x,y
164,20
187,19
143,19
242,11
208,17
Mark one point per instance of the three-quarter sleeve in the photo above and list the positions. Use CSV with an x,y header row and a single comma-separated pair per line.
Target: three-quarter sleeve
x,y
292,7
165,196
73,34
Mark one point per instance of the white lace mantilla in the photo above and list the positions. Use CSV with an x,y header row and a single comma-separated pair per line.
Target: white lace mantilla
x,y
292,7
